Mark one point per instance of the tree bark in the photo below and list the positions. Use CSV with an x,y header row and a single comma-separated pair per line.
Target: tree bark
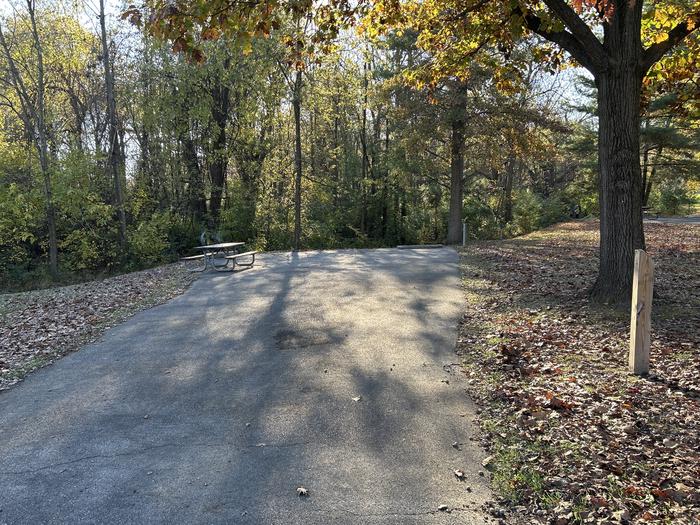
x,y
385,182
250,157
649,181
645,175
365,159
620,191
508,176
196,201
454,223
113,151
336,154
218,163
296,103
618,63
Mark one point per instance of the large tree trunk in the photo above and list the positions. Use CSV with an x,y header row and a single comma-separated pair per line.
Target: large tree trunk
x,y
250,159
196,200
454,223
218,154
618,64
296,103
620,191
113,151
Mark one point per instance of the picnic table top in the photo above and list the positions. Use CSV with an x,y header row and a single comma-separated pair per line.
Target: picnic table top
x,y
219,246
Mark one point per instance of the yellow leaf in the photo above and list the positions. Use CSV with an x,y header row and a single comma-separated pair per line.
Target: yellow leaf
x,y
660,38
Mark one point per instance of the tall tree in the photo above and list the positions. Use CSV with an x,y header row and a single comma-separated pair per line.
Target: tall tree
x,y
617,41
220,92
457,118
32,111
113,148
298,169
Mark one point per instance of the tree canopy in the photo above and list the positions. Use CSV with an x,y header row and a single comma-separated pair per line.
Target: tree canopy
x,y
302,124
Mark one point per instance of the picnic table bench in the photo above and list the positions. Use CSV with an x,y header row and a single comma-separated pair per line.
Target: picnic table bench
x,y
219,255
648,211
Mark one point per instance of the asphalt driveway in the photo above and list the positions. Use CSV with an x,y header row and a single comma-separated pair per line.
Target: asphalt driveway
x,y
332,371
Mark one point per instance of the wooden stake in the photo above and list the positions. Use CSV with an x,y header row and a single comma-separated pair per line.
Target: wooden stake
x,y
640,326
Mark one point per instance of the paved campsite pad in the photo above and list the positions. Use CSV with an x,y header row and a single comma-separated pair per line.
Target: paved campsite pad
x,y
216,406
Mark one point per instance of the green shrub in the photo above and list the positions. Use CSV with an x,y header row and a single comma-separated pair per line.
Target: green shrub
x,y
527,213
19,214
81,250
672,197
148,243
183,234
480,218
92,246
554,209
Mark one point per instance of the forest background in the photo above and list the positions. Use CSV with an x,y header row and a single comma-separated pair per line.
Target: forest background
x,y
117,153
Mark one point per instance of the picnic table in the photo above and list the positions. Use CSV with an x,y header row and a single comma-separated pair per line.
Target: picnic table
x,y
219,255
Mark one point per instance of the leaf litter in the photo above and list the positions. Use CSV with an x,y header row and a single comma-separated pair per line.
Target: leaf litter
x,y
572,436
38,327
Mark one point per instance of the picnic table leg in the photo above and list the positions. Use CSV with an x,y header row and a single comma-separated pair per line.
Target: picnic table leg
x,y
203,268
221,267
248,264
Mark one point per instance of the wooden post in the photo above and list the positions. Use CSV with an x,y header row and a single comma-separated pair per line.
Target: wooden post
x,y
640,326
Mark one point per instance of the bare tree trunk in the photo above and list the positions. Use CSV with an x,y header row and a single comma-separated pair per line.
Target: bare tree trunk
x,y
508,189
79,120
336,155
217,168
296,103
113,151
196,201
365,159
454,223
620,187
385,182
43,144
649,181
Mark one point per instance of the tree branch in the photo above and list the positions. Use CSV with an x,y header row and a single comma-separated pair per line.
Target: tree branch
x,y
565,40
579,29
655,52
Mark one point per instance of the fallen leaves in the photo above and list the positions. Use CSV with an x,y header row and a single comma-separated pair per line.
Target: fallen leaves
x,y
554,402
562,417
40,326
